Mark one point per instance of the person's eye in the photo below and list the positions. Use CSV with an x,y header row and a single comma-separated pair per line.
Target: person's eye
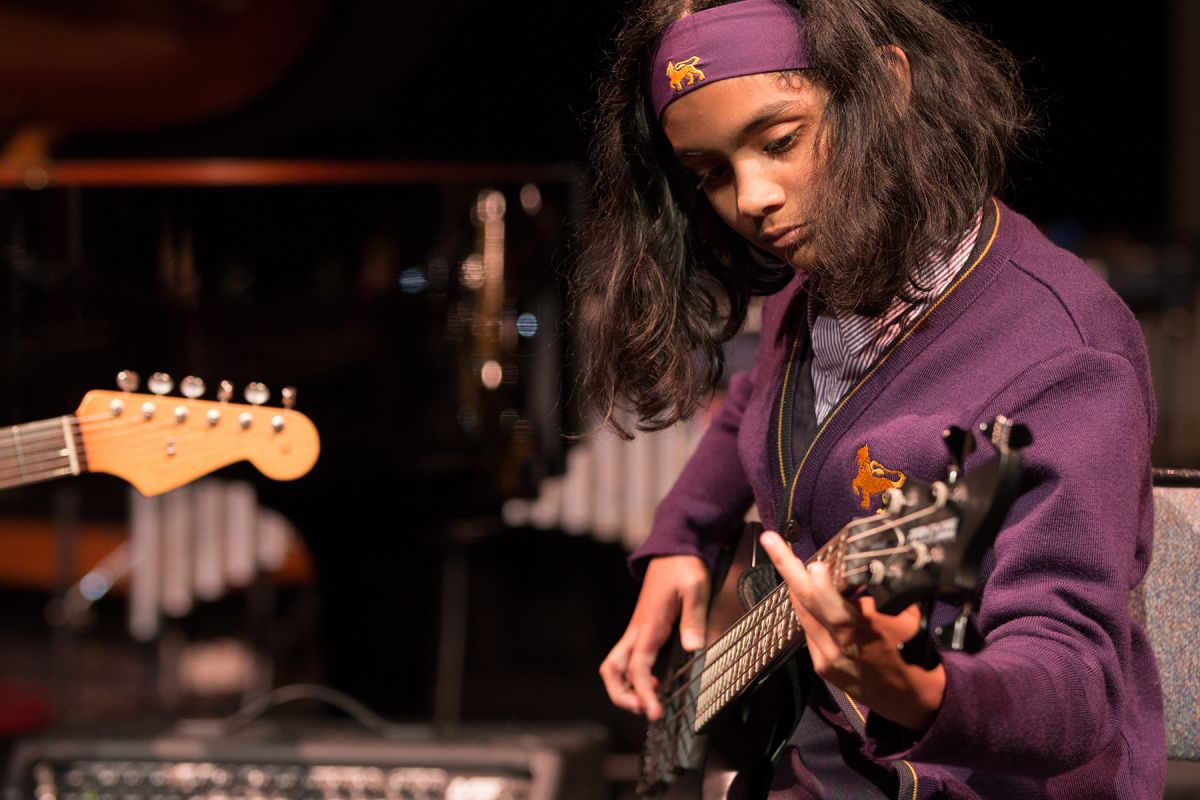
x,y
710,179
783,143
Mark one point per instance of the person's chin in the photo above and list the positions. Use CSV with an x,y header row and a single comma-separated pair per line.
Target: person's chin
x,y
799,257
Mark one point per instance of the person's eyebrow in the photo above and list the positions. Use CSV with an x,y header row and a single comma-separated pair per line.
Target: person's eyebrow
x,y
766,116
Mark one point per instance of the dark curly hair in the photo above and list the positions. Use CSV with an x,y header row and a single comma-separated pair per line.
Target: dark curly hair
x,y
662,284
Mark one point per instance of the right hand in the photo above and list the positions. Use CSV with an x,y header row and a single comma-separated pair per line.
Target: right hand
x,y
675,587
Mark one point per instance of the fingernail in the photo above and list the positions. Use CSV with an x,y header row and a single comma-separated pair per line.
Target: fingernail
x,y
692,640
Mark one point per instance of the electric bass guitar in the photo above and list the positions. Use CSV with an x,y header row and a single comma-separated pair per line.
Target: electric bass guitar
x,y
156,442
729,708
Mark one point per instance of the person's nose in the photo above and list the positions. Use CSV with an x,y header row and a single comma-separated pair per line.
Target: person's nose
x,y
759,191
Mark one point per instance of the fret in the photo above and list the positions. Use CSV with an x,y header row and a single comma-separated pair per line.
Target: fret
x,y
69,438
38,451
749,647
10,483
757,640
15,434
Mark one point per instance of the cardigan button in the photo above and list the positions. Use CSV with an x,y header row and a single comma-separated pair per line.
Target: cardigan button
x,y
791,531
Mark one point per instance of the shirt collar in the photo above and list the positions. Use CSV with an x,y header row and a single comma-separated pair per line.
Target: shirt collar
x,y
849,334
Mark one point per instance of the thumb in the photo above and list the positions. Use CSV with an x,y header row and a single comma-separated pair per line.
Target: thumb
x,y
781,555
693,616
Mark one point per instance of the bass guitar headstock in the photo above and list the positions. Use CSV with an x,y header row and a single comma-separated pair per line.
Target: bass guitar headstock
x,y
929,540
157,442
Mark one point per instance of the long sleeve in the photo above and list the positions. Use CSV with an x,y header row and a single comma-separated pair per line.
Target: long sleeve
x,y
712,493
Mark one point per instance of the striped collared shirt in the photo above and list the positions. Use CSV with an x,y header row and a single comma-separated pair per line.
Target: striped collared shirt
x,y
846,345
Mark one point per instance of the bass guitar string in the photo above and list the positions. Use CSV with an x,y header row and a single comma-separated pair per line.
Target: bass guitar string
x,y
718,648
725,641
838,542
778,595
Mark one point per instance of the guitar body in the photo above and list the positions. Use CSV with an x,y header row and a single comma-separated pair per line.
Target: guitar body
x,y
736,757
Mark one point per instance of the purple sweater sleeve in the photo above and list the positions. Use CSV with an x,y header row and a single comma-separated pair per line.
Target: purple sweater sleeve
x,y
1044,694
712,494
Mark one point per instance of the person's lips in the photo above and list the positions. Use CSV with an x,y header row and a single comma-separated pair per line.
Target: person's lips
x,y
783,238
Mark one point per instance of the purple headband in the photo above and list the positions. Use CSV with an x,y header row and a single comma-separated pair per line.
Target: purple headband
x,y
742,38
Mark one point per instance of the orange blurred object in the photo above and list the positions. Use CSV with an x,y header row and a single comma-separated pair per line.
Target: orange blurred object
x,y
132,64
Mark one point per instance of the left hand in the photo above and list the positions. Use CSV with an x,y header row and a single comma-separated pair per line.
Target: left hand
x,y
857,648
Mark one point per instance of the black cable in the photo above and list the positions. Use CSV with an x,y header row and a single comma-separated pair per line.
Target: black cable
x,y
307,691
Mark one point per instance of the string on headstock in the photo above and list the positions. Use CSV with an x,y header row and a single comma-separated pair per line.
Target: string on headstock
x,y
928,542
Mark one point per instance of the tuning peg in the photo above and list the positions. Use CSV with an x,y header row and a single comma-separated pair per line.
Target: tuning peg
x,y
225,391
288,394
160,383
257,393
962,636
1004,434
192,387
128,380
960,444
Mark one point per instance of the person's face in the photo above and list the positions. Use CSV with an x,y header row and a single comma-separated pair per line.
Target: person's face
x,y
750,142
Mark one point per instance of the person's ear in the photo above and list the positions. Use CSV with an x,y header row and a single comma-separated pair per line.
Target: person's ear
x,y
896,61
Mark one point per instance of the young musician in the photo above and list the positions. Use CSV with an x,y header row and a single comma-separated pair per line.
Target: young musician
x,y
842,157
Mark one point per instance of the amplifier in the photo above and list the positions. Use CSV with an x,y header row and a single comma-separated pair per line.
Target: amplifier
x,y
312,760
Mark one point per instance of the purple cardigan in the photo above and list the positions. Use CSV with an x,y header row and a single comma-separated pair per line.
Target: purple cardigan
x,y
1064,699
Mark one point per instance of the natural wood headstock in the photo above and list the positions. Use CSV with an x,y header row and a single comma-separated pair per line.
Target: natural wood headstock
x,y
158,443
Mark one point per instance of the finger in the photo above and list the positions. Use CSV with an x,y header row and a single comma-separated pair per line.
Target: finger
x,y
612,672
828,660
785,561
818,639
649,636
641,660
895,628
810,585
693,619
793,571
826,603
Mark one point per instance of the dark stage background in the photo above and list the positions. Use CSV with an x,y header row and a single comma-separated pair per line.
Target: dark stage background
x,y
305,284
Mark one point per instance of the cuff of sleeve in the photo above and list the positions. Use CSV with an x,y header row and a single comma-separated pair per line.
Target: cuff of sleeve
x,y
641,558
660,543
890,741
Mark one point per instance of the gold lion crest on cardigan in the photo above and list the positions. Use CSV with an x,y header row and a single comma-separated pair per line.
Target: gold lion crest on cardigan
x,y
687,68
873,479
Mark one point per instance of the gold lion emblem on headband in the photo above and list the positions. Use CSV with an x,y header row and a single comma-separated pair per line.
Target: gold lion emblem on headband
x,y
684,69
